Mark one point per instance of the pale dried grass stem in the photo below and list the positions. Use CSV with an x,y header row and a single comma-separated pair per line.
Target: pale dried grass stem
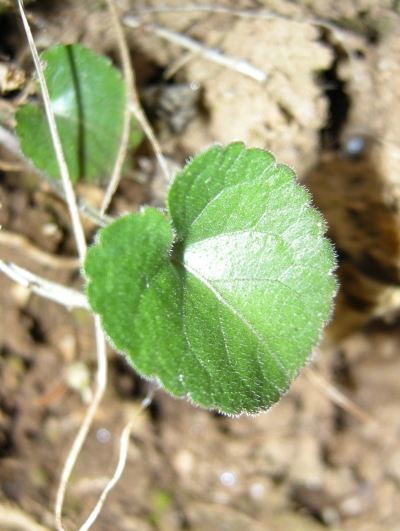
x,y
21,243
67,297
132,106
69,191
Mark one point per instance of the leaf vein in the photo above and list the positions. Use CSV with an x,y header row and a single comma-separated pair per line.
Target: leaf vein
x,y
242,379
224,188
191,349
264,375
242,317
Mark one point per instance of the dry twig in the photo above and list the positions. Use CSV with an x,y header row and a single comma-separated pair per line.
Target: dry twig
x,y
5,165
129,83
101,381
337,397
21,243
133,105
101,378
123,452
239,65
45,288
69,191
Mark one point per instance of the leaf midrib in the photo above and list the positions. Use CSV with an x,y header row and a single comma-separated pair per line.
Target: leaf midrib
x,y
241,316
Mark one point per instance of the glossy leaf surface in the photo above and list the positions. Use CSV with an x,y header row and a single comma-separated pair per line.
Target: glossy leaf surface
x,y
224,301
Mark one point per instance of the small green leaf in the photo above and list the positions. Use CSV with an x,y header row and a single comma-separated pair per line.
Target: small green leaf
x,y
88,100
225,301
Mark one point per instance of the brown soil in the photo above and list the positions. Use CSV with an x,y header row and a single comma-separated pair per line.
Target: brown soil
x,y
330,108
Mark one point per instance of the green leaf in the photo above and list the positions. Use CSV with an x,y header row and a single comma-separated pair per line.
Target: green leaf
x,y
88,100
224,302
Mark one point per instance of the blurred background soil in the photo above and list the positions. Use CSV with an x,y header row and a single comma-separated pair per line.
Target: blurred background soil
x,y
330,108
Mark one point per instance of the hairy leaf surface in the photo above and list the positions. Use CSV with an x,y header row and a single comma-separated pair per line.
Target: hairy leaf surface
x,y
224,300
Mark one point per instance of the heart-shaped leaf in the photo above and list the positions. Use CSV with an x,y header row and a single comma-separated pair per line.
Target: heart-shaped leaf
x,y
88,101
224,301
